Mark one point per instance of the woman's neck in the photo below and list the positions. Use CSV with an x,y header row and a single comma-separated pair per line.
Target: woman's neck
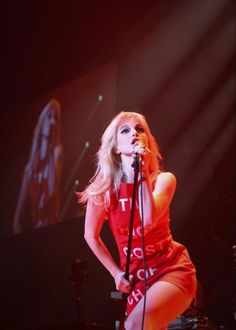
x,y
128,170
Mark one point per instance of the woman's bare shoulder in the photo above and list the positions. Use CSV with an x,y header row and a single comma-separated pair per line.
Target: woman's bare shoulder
x,y
166,180
166,176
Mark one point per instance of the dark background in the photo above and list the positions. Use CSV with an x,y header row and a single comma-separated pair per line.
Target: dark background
x,y
173,59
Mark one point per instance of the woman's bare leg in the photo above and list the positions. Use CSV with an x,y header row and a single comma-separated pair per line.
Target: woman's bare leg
x,y
164,303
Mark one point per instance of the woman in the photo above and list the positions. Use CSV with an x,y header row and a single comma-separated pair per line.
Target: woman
x,y
41,182
170,274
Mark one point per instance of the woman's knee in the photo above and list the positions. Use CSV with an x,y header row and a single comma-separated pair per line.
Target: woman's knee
x,y
132,323
164,303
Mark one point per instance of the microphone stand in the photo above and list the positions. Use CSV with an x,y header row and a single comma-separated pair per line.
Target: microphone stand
x,y
136,165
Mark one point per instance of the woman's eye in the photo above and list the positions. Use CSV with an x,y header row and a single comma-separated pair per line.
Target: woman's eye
x,y
124,131
139,129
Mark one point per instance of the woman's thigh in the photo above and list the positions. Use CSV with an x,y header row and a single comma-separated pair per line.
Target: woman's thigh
x,y
164,303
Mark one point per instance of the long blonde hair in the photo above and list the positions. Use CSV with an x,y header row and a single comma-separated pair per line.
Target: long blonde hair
x,y
108,175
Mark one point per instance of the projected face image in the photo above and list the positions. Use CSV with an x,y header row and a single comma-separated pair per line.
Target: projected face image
x,y
41,182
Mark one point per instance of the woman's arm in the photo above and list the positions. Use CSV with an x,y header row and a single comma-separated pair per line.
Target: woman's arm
x,y
156,202
94,219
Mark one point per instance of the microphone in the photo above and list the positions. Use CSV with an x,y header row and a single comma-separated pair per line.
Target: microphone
x,y
138,155
138,159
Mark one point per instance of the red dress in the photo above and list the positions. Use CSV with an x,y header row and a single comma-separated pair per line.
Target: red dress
x,y
166,259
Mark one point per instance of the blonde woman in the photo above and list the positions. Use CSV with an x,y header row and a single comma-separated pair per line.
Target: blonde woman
x,y
40,189
170,274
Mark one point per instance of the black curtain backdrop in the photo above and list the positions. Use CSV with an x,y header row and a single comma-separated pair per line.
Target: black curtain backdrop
x,y
176,61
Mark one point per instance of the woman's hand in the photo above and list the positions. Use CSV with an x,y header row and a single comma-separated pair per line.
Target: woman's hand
x,y
121,283
141,149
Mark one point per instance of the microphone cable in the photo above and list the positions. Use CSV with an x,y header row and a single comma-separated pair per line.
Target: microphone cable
x,y
143,248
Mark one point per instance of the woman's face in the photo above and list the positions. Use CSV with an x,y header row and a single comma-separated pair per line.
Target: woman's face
x,y
49,123
130,131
